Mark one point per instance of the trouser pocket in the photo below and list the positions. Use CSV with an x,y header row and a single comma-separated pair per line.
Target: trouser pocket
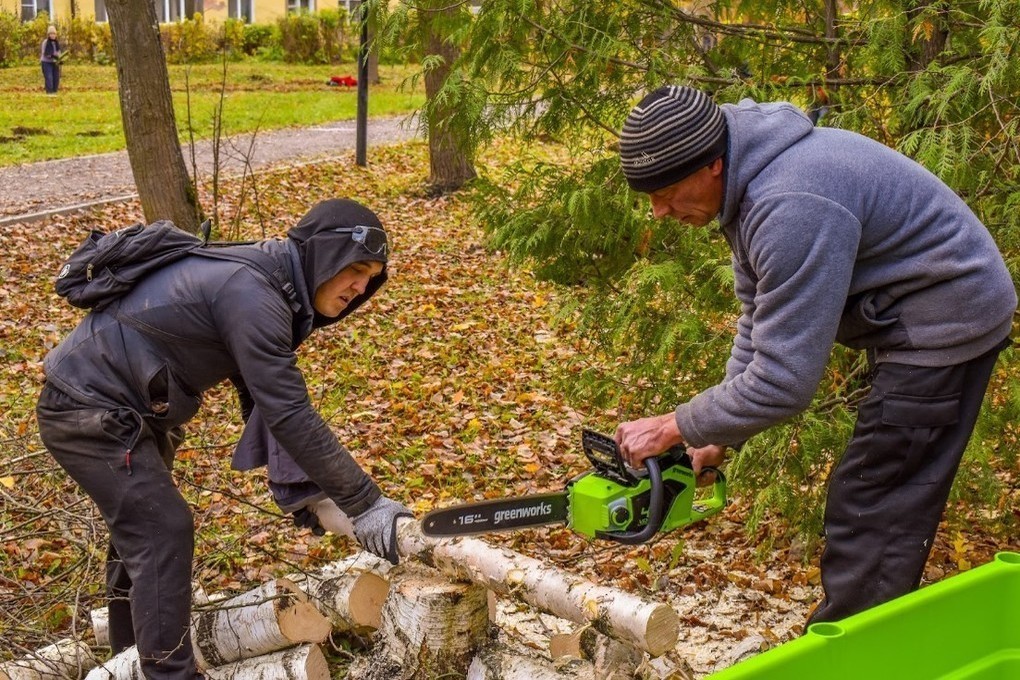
x,y
905,440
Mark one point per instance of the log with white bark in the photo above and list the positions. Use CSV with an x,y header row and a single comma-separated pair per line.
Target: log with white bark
x,y
650,626
432,625
495,662
611,659
123,666
305,662
274,616
100,616
62,660
349,592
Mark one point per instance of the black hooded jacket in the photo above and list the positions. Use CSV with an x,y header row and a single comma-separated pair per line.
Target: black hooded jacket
x,y
196,322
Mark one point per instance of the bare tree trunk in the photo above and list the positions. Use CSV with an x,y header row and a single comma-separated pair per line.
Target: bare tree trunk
x,y
146,106
450,165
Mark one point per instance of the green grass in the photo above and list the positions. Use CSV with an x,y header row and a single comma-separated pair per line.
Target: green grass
x,y
84,118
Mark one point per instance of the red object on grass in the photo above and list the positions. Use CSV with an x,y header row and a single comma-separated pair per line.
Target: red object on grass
x,y
344,81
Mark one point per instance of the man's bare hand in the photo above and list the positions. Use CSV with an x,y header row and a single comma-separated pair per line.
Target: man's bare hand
x,y
707,456
647,437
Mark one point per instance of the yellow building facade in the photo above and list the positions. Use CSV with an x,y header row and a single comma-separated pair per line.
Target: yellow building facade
x,y
251,11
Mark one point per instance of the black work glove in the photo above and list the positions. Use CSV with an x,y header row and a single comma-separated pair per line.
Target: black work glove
x,y
376,528
307,519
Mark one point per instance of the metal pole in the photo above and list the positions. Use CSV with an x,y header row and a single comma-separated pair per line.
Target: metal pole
x,y
362,128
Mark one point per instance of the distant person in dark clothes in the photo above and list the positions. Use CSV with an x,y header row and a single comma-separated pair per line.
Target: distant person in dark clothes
x,y
834,238
124,381
49,57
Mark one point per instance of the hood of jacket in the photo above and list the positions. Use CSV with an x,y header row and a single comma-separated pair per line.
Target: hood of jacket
x,y
758,133
323,253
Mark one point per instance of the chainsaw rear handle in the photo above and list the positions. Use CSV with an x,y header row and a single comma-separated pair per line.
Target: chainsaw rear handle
x,y
656,511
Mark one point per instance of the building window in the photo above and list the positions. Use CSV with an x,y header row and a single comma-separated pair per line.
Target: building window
x,y
294,6
30,8
241,9
168,11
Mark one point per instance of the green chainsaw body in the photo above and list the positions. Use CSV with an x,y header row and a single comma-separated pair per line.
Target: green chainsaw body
x,y
600,505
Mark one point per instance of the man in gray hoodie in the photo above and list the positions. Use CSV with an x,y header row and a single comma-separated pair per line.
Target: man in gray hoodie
x,y
121,384
835,238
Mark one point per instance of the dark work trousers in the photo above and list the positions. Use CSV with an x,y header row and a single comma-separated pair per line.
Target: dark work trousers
x,y
148,568
51,76
887,495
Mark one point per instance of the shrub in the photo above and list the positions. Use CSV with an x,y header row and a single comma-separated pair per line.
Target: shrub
x,y
189,41
10,38
299,38
259,37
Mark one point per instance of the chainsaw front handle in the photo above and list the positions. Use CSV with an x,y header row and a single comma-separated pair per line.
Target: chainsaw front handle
x,y
656,511
709,506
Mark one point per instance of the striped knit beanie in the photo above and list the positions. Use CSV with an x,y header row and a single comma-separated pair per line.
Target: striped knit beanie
x,y
672,133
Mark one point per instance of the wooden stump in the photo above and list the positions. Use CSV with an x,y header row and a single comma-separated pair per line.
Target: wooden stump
x,y
430,627
59,661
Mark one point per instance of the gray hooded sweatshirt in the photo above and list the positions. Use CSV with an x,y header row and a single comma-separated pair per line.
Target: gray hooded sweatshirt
x,y
837,238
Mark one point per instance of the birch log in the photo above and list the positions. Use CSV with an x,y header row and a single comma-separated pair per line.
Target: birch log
x,y
495,662
305,662
274,616
62,660
611,659
431,624
650,626
123,666
100,616
349,592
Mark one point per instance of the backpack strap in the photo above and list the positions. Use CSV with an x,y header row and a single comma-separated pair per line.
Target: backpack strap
x,y
262,262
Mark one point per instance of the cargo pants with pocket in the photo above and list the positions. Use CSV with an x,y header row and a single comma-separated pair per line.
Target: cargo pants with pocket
x,y
887,494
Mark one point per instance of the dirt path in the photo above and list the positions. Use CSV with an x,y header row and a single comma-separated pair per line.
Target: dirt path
x,y
36,190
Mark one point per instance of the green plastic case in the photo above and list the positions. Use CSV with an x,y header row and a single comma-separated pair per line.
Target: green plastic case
x,y
966,627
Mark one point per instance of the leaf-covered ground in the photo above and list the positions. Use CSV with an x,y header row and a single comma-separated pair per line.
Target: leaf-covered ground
x,y
445,387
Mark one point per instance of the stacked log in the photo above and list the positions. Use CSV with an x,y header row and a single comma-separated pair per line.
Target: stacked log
x,y
273,617
425,619
60,661
349,592
652,627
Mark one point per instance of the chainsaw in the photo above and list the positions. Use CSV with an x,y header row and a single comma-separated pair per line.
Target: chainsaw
x,y
612,502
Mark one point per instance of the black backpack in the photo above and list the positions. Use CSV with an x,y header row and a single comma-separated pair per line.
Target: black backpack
x,y
107,265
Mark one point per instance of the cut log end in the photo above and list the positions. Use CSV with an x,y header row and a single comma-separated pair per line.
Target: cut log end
x,y
367,598
662,630
298,618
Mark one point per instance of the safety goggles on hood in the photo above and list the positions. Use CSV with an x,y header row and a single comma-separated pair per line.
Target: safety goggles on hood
x,y
332,236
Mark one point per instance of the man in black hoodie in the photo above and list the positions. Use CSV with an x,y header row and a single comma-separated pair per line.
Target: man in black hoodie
x,y
121,384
